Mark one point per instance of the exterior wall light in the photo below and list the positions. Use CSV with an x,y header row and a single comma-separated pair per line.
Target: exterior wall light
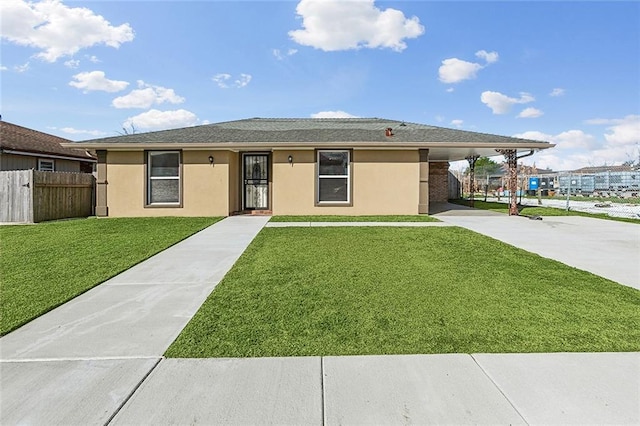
x,y
290,159
211,160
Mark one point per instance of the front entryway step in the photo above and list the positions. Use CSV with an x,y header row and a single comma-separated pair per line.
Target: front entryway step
x,y
253,213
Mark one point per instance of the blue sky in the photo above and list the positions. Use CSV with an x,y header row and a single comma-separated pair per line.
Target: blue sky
x,y
564,72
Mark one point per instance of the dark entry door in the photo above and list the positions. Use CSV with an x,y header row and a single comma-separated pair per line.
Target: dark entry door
x,y
255,172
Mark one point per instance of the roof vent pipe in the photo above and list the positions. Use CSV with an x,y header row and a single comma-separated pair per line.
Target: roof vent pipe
x,y
388,131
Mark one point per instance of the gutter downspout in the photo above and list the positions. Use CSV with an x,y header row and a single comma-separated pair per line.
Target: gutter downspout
x,y
513,205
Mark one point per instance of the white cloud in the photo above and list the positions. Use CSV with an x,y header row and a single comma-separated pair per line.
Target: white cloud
x,y
457,123
333,114
146,96
501,104
280,55
222,80
22,68
243,80
450,90
3,68
94,59
72,63
332,25
160,120
454,70
622,131
73,131
575,148
530,113
96,81
534,135
625,132
489,57
557,92
56,29
571,139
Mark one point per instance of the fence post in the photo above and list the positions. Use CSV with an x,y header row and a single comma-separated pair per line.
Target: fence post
x,y
568,190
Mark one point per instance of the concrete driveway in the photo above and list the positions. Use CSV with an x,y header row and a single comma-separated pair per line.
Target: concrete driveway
x,y
607,248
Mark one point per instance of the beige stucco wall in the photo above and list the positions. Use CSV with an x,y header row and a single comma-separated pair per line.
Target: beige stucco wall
x,y
383,182
204,187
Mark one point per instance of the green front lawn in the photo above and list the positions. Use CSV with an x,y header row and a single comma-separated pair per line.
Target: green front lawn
x,y
45,265
348,291
328,218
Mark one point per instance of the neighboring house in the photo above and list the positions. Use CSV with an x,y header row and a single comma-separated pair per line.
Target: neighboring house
x,y
23,149
353,166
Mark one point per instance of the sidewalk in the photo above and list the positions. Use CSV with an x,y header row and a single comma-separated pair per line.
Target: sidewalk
x,y
80,362
98,360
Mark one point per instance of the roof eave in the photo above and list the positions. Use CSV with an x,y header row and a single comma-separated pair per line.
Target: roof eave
x,y
239,146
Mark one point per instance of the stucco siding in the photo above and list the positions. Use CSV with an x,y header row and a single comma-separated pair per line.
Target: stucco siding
x,y
204,186
382,182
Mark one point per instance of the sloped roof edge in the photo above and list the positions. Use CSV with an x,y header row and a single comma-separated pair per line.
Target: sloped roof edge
x,y
292,131
24,140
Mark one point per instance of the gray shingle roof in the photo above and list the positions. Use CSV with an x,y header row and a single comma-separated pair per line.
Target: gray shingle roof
x,y
306,130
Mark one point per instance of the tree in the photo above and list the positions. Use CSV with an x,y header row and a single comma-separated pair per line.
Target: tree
x,y
126,131
485,166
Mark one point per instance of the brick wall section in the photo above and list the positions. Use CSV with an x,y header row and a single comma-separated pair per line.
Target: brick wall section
x,y
438,182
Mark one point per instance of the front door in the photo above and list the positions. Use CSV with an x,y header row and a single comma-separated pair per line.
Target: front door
x,y
255,173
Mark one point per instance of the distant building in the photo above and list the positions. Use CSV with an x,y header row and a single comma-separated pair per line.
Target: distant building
x,y
24,149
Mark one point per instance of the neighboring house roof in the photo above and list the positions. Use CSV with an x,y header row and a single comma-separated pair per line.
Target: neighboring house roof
x,y
19,140
601,169
257,133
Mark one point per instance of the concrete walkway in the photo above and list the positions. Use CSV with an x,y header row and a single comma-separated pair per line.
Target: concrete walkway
x,y
80,362
98,360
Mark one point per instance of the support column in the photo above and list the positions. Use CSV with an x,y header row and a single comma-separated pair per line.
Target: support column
x,y
101,184
423,195
512,181
472,176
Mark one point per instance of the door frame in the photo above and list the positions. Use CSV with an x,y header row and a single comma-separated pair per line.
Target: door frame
x,y
243,191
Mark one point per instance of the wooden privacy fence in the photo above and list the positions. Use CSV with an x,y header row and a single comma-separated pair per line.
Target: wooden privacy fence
x,y
33,196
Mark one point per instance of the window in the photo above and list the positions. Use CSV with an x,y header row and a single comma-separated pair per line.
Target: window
x,y
46,165
334,177
163,171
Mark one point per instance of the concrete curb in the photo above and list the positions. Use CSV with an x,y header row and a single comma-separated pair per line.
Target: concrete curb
x,y
354,224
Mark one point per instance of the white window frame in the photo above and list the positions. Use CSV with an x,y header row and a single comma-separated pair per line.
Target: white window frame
x,y
347,176
152,178
43,165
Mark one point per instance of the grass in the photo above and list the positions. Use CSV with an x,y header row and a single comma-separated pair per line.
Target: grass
x,y
628,200
349,291
47,264
539,211
327,218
